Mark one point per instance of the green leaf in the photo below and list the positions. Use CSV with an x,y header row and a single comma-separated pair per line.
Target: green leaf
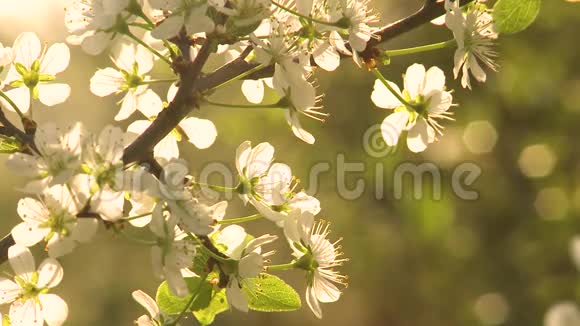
x,y
268,293
217,304
9,145
170,304
512,16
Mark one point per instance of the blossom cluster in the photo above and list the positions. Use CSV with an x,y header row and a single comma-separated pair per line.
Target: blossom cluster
x,y
77,179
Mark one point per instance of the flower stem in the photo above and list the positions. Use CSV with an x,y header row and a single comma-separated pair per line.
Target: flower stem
x,y
12,104
190,302
241,219
281,267
238,77
422,48
147,46
206,250
245,106
380,76
295,13
214,187
130,218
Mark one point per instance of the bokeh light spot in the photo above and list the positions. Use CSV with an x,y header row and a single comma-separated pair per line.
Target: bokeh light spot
x,y
537,161
480,137
492,309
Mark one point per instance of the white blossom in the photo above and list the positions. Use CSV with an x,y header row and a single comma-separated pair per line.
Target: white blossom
x,y
188,14
249,261
318,256
356,16
32,304
34,71
53,219
94,23
133,62
173,254
475,36
103,179
58,158
425,91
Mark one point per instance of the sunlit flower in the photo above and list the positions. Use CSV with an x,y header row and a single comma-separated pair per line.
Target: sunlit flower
x,y
173,254
299,98
475,35
259,178
249,261
426,101
133,63
318,256
188,14
53,218
103,175
94,23
28,293
58,158
356,16
33,73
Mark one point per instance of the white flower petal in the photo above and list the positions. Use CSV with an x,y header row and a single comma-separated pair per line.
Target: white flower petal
x,y
324,290
26,49
293,120
200,132
85,229
169,28
22,261
53,94
96,43
108,204
383,98
128,106
56,59
28,235
392,127
242,154
59,246
313,302
147,302
434,81
253,90
236,297
260,159
9,290
26,313
106,82
418,137
415,80
50,273
20,96
54,309
326,57
167,148
149,103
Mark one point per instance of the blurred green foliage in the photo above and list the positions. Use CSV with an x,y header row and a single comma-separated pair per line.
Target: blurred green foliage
x,y
501,259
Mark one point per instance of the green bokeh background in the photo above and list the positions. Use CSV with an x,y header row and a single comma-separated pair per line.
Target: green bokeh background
x,y
502,259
